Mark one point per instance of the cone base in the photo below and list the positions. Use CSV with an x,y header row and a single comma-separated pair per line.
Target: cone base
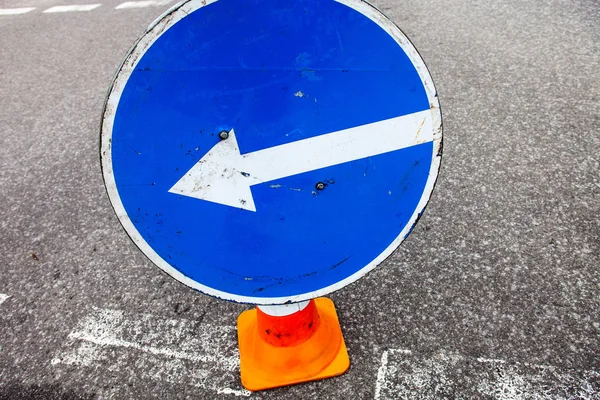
x,y
263,366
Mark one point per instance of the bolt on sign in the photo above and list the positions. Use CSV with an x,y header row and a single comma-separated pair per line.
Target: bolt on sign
x,y
271,152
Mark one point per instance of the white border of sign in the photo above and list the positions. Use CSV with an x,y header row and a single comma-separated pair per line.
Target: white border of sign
x,y
154,31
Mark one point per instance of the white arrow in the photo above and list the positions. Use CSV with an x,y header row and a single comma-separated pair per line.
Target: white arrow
x,y
225,176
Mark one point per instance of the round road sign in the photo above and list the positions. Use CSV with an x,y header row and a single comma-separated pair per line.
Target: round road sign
x,y
270,151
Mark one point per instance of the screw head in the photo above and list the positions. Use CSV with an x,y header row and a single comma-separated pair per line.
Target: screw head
x,y
320,186
224,135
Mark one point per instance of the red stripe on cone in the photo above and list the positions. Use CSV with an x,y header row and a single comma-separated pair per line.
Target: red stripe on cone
x,y
289,330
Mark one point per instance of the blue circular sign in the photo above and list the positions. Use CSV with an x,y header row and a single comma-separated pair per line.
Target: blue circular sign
x,y
271,151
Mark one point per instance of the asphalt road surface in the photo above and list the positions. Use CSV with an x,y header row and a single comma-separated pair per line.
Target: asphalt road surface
x,y
495,294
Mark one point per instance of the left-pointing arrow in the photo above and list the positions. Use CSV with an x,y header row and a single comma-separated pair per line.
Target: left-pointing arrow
x,y
225,176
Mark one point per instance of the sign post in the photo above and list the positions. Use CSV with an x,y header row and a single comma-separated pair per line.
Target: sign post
x,y
271,152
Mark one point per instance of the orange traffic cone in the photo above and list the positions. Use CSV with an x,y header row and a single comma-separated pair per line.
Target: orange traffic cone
x,y
284,345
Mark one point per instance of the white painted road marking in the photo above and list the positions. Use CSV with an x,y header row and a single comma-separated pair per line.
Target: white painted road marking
x,y
3,298
141,4
402,375
15,11
86,7
178,351
71,8
225,176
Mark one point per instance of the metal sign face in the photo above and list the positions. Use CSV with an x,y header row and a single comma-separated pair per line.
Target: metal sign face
x,y
271,151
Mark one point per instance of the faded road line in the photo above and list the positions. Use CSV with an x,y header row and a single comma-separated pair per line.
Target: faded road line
x,y
15,11
72,8
403,375
178,351
3,298
141,4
